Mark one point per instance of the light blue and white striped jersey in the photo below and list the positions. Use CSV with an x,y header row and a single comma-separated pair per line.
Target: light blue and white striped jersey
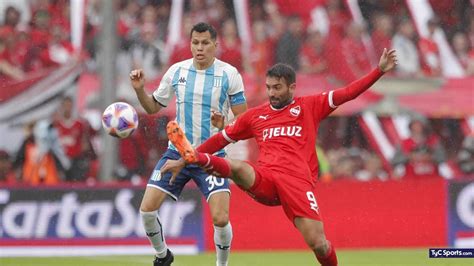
x,y
197,93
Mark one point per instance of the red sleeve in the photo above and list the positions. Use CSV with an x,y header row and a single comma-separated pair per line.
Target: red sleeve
x,y
354,89
238,130
320,105
213,144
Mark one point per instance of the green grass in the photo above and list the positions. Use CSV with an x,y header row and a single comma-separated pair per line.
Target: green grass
x,y
389,257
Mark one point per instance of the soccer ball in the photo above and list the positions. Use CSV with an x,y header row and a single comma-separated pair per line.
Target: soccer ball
x,y
120,120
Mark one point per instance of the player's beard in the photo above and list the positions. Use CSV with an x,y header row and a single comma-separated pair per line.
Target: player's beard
x,y
280,103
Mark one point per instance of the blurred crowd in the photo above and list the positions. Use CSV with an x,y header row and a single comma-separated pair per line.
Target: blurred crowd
x,y
35,36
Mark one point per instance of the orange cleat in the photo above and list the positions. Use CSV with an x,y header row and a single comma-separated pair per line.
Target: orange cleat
x,y
178,138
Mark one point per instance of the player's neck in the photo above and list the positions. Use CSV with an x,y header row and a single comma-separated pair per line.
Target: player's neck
x,y
203,66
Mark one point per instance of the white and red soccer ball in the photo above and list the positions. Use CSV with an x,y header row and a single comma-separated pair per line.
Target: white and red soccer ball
x,y
120,120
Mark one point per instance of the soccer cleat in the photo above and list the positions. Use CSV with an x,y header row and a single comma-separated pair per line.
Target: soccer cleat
x,y
178,138
166,261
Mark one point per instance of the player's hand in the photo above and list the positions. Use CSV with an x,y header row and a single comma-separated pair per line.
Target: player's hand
x,y
174,167
217,119
137,78
388,60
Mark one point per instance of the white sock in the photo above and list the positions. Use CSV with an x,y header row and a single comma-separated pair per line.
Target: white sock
x,y
154,232
222,240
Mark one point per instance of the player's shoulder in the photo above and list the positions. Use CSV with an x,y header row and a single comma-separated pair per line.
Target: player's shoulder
x,y
181,64
313,97
225,67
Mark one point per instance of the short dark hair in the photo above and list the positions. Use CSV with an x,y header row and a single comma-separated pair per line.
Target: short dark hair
x,y
203,27
281,70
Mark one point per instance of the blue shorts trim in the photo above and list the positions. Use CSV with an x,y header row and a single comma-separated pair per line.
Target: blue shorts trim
x,y
208,184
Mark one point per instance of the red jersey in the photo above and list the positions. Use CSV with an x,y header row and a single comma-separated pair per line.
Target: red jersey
x,y
286,137
71,136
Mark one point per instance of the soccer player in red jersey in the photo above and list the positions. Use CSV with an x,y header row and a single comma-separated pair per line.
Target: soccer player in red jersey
x,y
285,131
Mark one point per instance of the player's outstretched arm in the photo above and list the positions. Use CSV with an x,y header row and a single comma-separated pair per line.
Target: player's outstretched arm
x,y
137,78
387,62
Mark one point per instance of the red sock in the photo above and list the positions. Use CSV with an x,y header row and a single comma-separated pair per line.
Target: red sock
x,y
214,164
330,259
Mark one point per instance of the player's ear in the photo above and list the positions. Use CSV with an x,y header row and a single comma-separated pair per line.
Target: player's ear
x,y
292,86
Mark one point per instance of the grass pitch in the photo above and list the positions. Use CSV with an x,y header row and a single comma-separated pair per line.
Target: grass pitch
x,y
379,257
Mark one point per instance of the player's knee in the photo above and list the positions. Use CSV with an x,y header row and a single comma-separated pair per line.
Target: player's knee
x,y
148,218
220,219
236,166
319,245
147,206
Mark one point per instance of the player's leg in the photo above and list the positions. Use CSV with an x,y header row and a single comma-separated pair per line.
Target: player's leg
x,y
219,208
313,234
151,202
217,193
298,200
158,189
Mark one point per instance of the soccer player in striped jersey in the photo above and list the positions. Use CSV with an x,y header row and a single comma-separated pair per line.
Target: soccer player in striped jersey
x,y
206,90
285,131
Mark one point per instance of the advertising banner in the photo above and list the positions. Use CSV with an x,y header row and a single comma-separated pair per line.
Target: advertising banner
x,y
87,221
461,214
391,214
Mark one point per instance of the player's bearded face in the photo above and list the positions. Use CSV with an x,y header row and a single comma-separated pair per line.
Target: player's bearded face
x,y
203,48
279,93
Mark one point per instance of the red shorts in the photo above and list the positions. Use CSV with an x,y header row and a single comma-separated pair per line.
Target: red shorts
x,y
295,195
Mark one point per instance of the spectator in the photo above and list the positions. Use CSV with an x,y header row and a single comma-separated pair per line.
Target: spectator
x,y
181,50
261,54
324,169
230,47
40,37
148,51
465,56
420,154
465,156
313,57
74,137
60,50
429,51
128,18
409,60
22,6
354,50
41,157
196,8
133,157
40,32
12,18
382,32
163,10
8,71
372,169
289,45
7,175
217,12
346,167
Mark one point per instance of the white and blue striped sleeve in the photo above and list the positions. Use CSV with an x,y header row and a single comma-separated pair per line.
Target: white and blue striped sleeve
x,y
164,92
236,89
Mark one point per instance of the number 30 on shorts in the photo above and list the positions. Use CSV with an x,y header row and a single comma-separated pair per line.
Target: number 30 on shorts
x,y
214,182
312,201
